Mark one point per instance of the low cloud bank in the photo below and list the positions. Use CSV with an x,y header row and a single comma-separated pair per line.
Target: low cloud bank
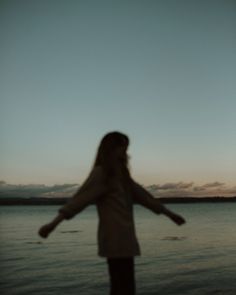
x,y
167,190
181,189
37,190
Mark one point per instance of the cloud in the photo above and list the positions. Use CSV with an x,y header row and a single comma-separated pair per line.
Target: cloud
x,y
232,190
171,185
199,188
213,184
169,189
2,183
179,185
36,190
181,189
61,191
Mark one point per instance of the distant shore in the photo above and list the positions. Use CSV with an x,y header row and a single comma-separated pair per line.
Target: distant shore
x,y
61,201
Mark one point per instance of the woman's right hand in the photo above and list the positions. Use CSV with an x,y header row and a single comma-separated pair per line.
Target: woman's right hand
x,y
179,220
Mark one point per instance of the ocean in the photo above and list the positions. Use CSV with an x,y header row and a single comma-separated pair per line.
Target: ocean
x,y
198,258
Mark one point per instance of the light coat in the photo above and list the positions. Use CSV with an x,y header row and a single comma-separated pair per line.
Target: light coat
x,y
116,228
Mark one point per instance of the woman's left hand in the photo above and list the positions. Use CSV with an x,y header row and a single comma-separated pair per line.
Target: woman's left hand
x,y
45,230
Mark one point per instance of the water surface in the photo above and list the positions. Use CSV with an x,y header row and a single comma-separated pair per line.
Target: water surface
x,y
198,258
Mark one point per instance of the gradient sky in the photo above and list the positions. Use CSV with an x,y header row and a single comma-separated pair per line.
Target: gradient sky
x,y
163,72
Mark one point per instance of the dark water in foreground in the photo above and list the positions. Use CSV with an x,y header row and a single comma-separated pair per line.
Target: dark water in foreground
x,y
198,258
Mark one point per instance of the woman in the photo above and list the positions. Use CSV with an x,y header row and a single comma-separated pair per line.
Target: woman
x,y
114,192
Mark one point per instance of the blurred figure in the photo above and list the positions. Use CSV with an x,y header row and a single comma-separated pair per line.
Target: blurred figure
x,y
111,188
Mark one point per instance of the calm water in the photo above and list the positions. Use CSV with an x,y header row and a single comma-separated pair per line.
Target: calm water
x,y
198,258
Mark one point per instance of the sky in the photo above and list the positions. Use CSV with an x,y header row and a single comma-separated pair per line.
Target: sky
x,y
162,72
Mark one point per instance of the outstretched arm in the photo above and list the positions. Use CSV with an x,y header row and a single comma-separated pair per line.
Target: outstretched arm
x,y
91,189
144,198
178,219
46,229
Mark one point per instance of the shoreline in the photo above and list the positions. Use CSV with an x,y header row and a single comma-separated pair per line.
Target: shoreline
x,y
62,201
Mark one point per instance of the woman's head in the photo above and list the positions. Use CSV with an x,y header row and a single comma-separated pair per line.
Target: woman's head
x,y
112,153
113,146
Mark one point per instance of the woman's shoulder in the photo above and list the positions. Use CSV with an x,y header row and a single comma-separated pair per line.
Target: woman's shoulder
x,y
95,177
97,169
97,173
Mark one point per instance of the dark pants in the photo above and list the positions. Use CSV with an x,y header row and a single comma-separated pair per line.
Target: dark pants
x,y
122,277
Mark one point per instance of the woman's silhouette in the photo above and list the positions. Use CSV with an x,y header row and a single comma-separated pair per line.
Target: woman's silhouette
x,y
110,186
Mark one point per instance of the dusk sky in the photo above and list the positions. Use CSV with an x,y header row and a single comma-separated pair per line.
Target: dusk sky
x,y
163,72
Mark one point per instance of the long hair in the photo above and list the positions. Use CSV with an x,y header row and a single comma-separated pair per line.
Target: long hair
x,y
114,166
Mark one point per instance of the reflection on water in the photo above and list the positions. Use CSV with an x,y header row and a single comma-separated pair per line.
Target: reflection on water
x,y
39,242
70,231
173,238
